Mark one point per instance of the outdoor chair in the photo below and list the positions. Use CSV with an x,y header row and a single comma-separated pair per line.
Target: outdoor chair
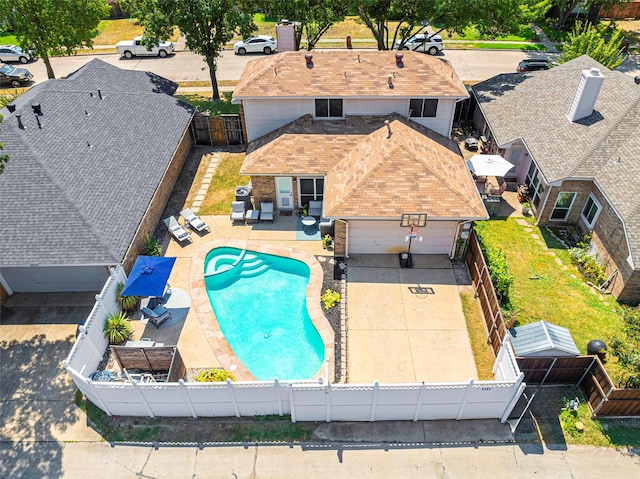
x,y
156,316
266,211
194,220
237,211
176,230
315,208
498,191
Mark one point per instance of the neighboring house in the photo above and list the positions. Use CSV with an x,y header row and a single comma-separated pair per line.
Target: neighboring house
x,y
572,134
92,161
365,132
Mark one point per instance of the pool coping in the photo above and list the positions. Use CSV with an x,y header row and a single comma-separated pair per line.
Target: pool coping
x,y
209,323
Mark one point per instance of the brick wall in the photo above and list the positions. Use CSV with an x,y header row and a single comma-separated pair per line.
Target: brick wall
x,y
608,235
159,201
340,239
263,189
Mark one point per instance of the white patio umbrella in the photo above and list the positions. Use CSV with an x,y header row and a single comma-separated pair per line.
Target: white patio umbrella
x,y
489,165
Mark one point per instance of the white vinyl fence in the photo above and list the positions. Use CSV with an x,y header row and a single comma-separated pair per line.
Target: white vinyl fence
x,y
304,401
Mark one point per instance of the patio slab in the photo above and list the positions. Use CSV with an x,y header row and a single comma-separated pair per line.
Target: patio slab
x,y
406,325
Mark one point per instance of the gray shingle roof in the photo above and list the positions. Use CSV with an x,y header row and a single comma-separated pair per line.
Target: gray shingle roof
x,y
74,191
542,337
604,147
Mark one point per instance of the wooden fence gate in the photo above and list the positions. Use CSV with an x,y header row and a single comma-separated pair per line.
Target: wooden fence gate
x,y
223,130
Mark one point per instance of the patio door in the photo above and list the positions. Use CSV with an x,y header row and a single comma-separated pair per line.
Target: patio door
x,y
284,193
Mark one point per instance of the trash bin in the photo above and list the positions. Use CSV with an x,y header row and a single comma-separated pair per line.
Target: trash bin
x,y
243,193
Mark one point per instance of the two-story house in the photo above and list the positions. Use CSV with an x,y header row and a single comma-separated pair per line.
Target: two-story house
x,y
366,133
572,134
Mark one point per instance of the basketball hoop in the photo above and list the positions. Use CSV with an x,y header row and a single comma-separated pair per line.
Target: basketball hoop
x,y
414,231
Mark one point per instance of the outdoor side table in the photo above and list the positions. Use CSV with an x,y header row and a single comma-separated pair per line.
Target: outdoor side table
x,y
252,216
309,223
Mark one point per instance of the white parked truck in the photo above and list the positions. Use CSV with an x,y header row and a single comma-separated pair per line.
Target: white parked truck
x,y
132,48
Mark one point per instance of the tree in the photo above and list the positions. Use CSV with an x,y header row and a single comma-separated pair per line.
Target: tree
x,y
586,40
579,9
206,24
54,27
488,16
314,17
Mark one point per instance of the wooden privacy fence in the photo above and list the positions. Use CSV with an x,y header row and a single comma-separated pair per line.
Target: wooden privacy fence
x,y
152,359
588,374
585,372
486,294
223,130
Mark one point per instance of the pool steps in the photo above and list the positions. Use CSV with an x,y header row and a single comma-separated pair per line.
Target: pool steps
x,y
250,263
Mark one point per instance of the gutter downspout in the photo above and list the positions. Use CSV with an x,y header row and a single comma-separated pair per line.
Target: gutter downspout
x,y
346,243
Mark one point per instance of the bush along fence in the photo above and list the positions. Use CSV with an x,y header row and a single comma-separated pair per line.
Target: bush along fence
x,y
303,400
584,372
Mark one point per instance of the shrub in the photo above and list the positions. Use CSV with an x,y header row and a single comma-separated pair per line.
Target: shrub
x,y
330,299
587,262
215,375
499,272
151,247
626,347
117,328
126,303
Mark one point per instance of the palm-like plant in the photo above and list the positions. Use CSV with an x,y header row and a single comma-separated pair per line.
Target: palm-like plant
x,y
117,328
126,303
151,247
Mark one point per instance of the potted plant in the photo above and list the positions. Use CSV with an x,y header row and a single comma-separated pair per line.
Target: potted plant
x,y
327,241
302,211
526,208
117,328
126,303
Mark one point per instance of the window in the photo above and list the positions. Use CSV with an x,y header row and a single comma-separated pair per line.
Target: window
x,y
590,211
534,182
328,107
423,107
563,205
311,189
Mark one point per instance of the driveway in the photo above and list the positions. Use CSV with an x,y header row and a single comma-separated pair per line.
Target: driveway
x,y
405,325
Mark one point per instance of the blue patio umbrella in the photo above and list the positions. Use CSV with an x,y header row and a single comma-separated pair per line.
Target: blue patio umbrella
x,y
149,276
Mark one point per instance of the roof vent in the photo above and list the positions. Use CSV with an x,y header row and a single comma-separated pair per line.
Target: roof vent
x,y
399,63
37,109
635,79
20,124
11,107
390,81
584,99
386,122
308,57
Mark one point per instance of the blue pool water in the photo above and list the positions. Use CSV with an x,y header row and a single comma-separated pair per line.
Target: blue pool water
x,y
260,304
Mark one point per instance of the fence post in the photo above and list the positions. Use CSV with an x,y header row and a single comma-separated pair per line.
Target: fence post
x,y
374,401
519,387
185,392
292,405
233,397
602,401
464,399
416,413
278,390
327,402
137,387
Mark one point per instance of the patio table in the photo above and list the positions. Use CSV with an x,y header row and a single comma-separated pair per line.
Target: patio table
x,y
309,223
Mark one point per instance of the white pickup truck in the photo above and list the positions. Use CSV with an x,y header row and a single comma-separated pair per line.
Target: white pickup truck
x,y
132,48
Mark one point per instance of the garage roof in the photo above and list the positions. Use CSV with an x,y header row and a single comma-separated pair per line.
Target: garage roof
x,y
81,173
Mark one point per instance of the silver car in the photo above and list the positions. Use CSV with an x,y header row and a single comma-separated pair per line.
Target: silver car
x,y
258,44
9,53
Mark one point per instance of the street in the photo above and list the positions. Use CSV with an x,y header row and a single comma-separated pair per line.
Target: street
x,y
184,66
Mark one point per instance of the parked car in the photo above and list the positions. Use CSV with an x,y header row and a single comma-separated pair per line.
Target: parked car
x,y
135,47
423,43
258,44
13,53
16,77
533,64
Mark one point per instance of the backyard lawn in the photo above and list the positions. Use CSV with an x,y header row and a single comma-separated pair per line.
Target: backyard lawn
x,y
547,286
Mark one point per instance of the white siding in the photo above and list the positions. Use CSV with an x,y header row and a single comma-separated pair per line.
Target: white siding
x,y
263,116
387,237
55,278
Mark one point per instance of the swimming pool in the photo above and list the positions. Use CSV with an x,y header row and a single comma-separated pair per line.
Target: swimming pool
x,y
259,301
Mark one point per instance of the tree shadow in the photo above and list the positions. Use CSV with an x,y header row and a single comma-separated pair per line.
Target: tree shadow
x,y
36,399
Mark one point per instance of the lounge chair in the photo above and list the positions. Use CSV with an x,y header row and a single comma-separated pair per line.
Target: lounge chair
x,y
237,211
176,230
194,220
156,316
315,208
266,211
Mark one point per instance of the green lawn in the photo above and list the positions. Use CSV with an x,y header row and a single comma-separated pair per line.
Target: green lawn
x,y
206,105
547,286
8,38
